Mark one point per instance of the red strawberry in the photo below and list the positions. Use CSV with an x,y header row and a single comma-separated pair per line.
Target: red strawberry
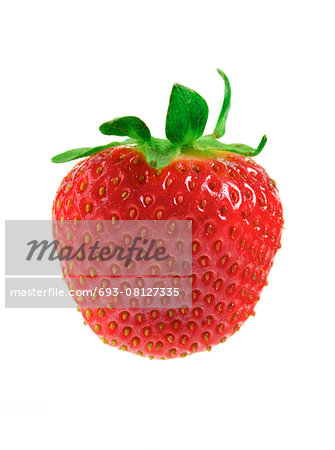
x,y
236,221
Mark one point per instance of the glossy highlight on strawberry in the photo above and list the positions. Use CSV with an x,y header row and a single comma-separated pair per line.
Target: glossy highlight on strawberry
x,y
237,222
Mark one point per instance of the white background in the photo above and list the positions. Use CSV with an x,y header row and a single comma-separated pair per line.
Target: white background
x,y
69,66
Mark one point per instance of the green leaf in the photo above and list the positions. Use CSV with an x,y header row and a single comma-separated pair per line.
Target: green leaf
x,y
127,126
185,123
76,153
207,143
186,117
69,155
220,127
159,152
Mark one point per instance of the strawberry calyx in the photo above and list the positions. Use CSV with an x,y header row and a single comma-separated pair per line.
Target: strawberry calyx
x,y
185,124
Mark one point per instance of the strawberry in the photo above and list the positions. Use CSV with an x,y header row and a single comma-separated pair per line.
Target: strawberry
x,y
236,218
